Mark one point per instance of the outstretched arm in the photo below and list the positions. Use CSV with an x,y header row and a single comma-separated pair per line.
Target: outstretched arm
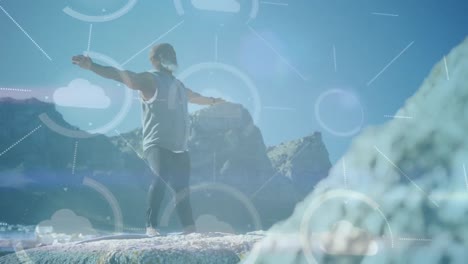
x,y
196,98
137,81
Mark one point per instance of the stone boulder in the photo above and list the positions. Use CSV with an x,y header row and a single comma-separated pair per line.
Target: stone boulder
x,y
406,187
304,161
226,146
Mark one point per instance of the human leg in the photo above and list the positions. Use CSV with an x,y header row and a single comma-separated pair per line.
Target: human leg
x,y
157,158
180,181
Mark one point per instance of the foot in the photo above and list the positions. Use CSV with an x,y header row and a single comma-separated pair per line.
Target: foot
x,y
152,232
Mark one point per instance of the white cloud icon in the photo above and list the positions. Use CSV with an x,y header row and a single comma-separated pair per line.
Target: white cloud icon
x,y
230,6
67,222
81,93
346,239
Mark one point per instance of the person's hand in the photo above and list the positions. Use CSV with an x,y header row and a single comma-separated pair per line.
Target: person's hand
x,y
84,62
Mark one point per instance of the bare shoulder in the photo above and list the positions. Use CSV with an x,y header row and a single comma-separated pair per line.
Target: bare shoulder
x,y
147,84
146,75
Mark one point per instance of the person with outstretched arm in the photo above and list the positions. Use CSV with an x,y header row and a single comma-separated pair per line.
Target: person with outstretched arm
x,y
165,123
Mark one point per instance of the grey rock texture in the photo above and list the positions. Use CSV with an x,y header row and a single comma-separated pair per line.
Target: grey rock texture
x,y
304,161
404,184
206,248
227,146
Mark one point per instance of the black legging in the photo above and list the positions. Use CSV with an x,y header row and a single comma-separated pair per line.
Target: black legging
x,y
173,169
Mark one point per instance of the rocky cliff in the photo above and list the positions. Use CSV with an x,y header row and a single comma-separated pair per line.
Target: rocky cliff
x,y
399,194
304,161
104,179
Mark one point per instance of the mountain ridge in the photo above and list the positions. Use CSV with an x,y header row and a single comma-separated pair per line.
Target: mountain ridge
x,y
226,148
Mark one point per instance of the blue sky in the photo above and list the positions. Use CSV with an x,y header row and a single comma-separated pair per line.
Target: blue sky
x,y
288,52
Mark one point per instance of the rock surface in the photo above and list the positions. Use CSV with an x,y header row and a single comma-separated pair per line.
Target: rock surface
x,y
304,161
228,147
403,185
172,249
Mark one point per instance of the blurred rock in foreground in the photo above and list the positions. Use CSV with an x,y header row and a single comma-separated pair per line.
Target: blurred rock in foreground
x,y
401,188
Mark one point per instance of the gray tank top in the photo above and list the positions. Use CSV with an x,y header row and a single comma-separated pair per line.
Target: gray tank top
x,y
165,116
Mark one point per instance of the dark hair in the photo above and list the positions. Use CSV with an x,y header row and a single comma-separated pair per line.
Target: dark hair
x,y
166,54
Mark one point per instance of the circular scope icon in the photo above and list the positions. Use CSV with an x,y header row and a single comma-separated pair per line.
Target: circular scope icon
x,y
100,18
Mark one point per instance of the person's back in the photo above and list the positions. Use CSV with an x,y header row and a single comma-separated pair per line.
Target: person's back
x,y
165,116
